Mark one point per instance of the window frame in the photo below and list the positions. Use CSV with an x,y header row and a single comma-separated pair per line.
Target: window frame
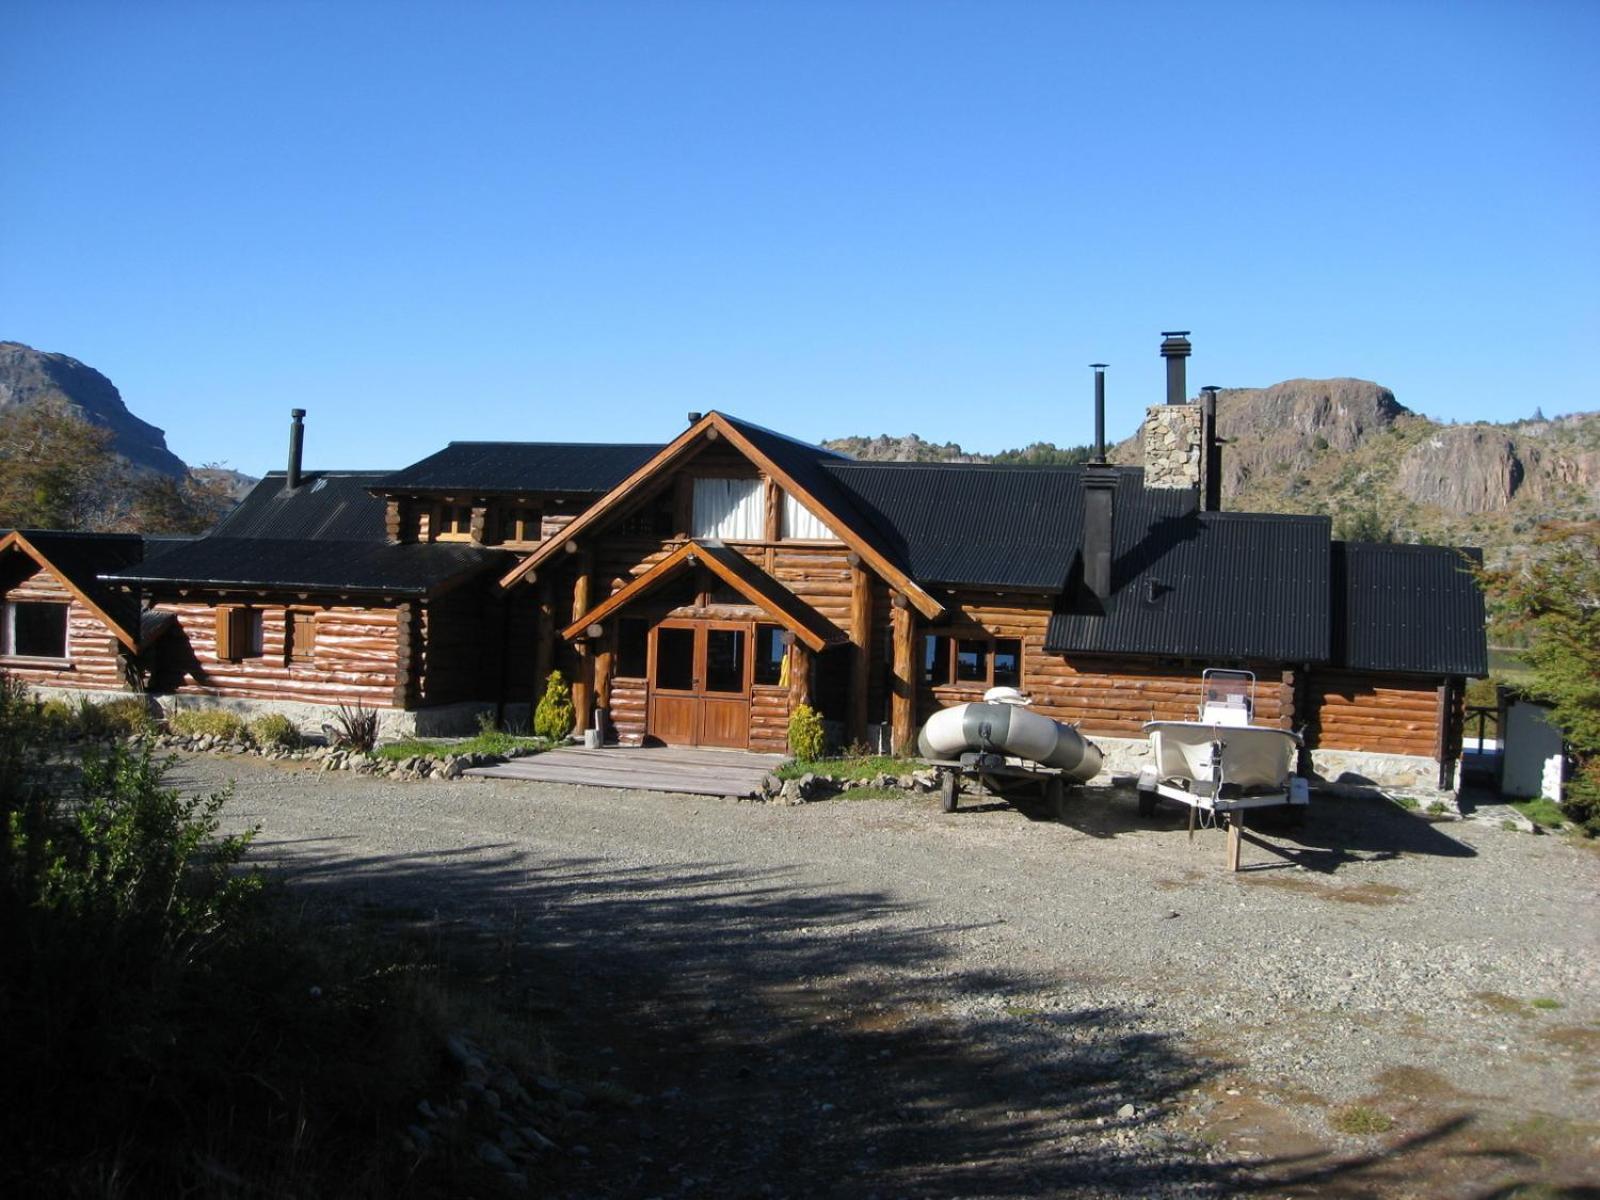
x,y
241,633
8,631
520,524
299,626
447,518
949,656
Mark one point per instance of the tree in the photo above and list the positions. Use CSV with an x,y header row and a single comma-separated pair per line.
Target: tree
x,y
1553,600
58,471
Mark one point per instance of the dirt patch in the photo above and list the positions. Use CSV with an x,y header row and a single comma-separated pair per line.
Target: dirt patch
x,y
1371,895
1507,1005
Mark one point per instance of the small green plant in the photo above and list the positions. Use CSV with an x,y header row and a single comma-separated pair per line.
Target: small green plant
x,y
1409,803
128,717
354,727
1546,1003
1438,808
1361,1119
844,769
1542,811
807,739
553,718
276,731
209,722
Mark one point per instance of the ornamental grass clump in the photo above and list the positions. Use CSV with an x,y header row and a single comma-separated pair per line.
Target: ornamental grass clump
x,y
807,739
209,722
275,731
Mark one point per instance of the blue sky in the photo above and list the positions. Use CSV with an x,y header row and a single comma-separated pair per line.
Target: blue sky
x,y
579,221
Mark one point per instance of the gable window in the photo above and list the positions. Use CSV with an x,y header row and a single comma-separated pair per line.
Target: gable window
x,y
299,636
731,509
33,629
801,524
948,660
238,634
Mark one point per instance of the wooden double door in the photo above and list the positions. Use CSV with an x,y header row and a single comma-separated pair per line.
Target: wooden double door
x,y
700,677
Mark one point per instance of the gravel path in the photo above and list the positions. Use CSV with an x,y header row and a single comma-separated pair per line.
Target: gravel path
x,y
874,998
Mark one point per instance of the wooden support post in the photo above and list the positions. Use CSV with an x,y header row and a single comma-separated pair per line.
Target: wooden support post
x,y
392,521
544,646
903,691
860,647
799,675
602,680
583,585
582,688
1235,837
774,514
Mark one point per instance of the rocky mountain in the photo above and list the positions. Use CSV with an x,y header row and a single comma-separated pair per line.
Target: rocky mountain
x,y
29,376
1350,449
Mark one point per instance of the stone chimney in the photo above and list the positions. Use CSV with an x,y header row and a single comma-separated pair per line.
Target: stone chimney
x,y
1172,433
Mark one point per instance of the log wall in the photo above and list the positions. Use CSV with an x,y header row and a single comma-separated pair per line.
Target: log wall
x,y
94,660
769,719
628,703
1380,714
355,658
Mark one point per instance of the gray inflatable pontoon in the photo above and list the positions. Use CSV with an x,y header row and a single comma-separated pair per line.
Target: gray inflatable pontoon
x,y
1003,724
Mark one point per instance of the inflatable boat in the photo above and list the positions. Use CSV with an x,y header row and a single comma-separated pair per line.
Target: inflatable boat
x,y
1003,724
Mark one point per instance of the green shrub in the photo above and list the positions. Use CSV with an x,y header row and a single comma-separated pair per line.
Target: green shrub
x,y
209,722
277,731
57,718
554,717
806,737
128,717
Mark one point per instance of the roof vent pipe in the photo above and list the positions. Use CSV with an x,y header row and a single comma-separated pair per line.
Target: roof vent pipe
x,y
1099,412
1210,451
1175,348
694,418
297,433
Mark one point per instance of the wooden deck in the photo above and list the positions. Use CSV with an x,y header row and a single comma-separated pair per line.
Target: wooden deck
x,y
649,768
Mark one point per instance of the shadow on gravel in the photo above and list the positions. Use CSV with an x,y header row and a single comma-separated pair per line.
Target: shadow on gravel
x,y
798,1040
1336,832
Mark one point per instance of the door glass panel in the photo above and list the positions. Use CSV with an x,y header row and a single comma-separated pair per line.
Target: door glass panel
x,y
675,659
725,660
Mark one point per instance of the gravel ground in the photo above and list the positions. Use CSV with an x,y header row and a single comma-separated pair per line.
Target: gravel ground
x,y
875,998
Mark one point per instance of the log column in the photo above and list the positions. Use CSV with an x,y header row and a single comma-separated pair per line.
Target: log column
x,y
902,684
583,678
603,659
860,646
544,647
799,675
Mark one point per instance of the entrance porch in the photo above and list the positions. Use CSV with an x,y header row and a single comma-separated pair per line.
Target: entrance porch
x,y
681,769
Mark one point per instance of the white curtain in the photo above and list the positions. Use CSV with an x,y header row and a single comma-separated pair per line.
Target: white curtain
x,y
730,509
798,522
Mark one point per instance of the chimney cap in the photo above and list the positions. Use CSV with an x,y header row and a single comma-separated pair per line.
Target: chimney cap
x,y
695,417
297,413
1174,333
1211,387
1098,366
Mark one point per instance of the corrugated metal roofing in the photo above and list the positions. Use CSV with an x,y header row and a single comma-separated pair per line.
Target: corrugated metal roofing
x,y
984,525
480,467
1412,609
1218,586
328,505
81,558
412,569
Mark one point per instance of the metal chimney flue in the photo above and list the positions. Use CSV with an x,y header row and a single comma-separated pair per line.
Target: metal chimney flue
x,y
297,433
1175,348
1210,451
1099,411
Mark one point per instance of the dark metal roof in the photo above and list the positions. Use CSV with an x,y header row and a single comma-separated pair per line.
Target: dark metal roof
x,y
1409,609
328,505
414,569
984,525
81,558
480,467
1216,586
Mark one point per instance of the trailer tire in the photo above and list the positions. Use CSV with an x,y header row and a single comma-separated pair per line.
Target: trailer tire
x,y
947,791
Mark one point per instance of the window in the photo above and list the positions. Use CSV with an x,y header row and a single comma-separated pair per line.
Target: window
x,y
33,629
519,524
977,662
730,509
771,650
675,658
798,522
299,636
238,634
633,648
455,522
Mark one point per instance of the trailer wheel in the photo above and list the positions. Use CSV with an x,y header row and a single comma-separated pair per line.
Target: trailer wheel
x,y
947,791
1147,803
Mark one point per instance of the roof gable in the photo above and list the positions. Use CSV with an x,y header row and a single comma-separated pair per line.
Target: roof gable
x,y
795,466
78,560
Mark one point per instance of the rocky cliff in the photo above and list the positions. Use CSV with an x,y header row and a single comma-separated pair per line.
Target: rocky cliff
x,y
29,376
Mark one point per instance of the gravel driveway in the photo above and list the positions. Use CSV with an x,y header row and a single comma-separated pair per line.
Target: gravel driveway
x,y
874,998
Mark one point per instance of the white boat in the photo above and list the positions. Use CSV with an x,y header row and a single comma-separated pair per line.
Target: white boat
x,y
1004,725
1222,762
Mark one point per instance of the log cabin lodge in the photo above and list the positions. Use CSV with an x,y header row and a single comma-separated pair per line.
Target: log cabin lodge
x,y
696,593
